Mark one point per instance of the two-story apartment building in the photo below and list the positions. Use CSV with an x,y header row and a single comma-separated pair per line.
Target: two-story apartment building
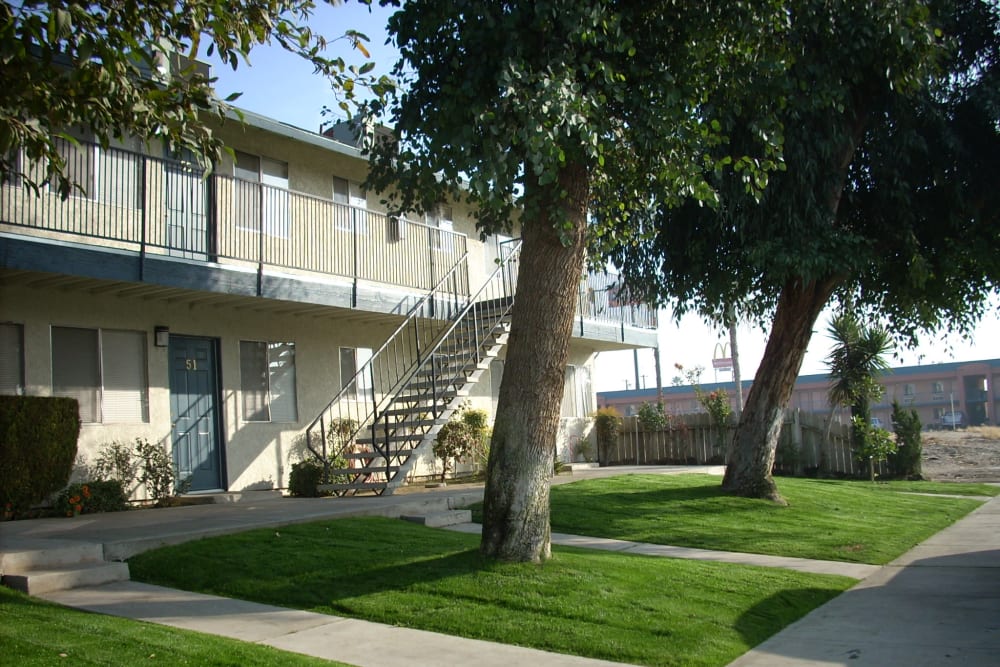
x,y
271,305
968,387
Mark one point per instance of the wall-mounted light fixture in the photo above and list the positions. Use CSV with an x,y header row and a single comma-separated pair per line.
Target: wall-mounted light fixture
x,y
161,336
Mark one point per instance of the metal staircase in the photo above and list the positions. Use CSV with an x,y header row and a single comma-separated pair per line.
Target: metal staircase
x,y
366,437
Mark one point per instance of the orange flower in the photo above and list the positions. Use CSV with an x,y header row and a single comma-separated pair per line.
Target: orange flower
x,y
74,500
86,491
77,508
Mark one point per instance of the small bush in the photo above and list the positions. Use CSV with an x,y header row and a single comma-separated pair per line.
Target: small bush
x,y
874,444
607,422
653,418
38,438
455,440
156,469
116,461
305,478
91,497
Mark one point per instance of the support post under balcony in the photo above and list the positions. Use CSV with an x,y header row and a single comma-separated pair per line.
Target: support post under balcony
x,y
144,221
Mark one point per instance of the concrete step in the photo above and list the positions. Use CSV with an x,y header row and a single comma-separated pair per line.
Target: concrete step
x,y
36,581
440,519
61,554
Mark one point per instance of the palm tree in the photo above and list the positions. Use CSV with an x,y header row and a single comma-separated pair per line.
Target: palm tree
x,y
856,361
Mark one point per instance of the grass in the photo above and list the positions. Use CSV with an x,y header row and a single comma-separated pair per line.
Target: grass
x,y
636,609
826,519
33,632
942,488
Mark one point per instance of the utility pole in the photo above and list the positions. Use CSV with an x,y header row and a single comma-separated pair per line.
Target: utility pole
x,y
659,377
635,363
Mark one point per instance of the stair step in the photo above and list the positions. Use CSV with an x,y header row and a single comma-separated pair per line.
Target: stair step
x,y
398,424
404,437
61,554
424,397
393,454
36,582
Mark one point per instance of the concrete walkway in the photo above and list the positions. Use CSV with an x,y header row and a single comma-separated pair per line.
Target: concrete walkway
x,y
938,604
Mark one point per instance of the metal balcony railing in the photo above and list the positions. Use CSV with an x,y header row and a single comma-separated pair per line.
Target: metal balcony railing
x,y
131,201
155,206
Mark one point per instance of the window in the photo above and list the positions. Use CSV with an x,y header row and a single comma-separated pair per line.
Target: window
x,y
10,174
12,359
78,159
351,214
909,390
261,198
937,388
351,361
109,175
267,381
104,370
443,219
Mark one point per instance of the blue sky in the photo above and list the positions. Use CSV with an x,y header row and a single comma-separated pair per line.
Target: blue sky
x,y
282,86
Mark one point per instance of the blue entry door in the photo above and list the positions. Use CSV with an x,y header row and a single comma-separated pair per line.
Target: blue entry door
x,y
194,413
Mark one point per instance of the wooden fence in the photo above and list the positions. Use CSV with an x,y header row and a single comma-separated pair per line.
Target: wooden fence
x,y
808,445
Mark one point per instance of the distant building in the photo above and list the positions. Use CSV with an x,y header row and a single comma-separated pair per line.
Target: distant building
x,y
969,387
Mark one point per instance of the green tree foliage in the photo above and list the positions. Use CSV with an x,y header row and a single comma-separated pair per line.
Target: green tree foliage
x,y
556,109
906,460
887,199
97,65
856,361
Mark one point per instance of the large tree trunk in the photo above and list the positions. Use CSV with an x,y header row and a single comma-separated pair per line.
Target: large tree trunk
x,y
749,470
516,502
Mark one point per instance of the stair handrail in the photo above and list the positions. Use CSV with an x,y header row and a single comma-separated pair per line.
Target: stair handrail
x,y
367,371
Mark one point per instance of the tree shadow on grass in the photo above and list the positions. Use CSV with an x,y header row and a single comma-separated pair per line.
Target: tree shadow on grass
x,y
777,611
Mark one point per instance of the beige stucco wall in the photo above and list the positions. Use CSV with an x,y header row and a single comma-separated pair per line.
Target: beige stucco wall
x,y
257,454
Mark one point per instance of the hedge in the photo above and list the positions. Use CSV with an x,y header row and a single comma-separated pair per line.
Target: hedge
x,y
38,437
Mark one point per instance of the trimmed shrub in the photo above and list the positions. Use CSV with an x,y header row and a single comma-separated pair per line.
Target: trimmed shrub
x,y
38,436
91,497
305,478
905,462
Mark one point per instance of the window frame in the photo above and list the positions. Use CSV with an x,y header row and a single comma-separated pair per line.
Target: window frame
x,y
355,199
100,408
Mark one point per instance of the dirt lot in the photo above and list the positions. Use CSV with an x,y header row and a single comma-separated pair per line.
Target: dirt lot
x,y
969,455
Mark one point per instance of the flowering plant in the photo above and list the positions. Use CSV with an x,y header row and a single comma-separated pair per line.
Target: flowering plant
x,y
88,497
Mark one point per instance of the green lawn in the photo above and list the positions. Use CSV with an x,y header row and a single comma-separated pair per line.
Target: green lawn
x,y
34,632
825,519
636,609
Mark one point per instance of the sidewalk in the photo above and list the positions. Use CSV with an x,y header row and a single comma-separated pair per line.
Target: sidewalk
x,y
937,604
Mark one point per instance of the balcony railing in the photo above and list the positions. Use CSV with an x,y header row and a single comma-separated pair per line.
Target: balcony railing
x,y
156,206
